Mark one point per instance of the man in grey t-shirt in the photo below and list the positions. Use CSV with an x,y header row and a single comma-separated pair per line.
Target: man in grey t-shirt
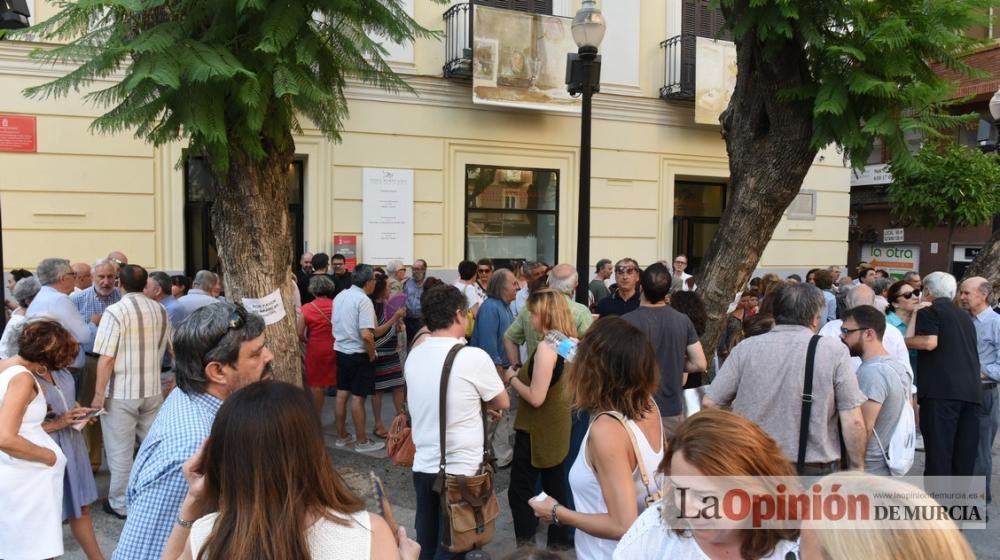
x,y
882,379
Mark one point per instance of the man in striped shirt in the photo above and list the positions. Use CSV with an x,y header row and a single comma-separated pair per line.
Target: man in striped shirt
x,y
131,339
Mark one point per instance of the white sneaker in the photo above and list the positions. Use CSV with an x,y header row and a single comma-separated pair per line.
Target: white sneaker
x,y
919,444
344,442
369,446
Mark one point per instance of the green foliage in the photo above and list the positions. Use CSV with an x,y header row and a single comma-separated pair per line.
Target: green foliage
x,y
952,185
227,74
865,64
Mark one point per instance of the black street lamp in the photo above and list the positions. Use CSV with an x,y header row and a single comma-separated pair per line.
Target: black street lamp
x,y
583,76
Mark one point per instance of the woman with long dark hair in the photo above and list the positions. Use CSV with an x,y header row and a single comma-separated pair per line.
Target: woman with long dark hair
x,y
388,366
263,488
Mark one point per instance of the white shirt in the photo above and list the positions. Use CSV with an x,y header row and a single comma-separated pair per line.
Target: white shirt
x,y
472,293
649,537
893,341
473,380
326,539
353,310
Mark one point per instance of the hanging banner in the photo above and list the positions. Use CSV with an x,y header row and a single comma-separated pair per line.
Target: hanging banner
x,y
387,219
714,78
346,245
519,60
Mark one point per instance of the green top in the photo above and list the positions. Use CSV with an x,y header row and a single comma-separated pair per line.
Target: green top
x,y
521,331
548,425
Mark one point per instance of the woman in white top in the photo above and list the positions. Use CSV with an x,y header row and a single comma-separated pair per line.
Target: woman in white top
x,y
712,443
31,464
262,486
24,291
614,371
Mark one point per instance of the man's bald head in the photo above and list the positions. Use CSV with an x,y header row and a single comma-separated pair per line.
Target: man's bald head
x,y
84,278
118,258
563,278
861,294
974,294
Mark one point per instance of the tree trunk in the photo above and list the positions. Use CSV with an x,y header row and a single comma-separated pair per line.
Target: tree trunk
x,y
768,142
987,262
250,219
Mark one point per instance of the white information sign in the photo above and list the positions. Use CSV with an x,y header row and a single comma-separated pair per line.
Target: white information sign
x,y
387,215
894,235
269,307
897,260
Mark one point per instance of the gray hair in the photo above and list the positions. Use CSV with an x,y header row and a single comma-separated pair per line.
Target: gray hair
x,y
910,276
106,262
320,285
859,295
797,304
498,282
25,290
361,275
563,279
881,285
394,266
532,265
984,288
162,280
940,285
207,335
205,280
51,270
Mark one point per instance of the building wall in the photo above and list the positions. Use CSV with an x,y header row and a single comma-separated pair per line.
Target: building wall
x,y
83,195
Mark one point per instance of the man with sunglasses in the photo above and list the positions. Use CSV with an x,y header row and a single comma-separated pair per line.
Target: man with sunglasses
x,y
219,349
484,271
625,297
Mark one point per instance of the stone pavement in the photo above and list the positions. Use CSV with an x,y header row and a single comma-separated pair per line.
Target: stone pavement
x,y
354,467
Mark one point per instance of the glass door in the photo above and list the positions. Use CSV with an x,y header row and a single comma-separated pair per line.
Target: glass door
x,y
697,212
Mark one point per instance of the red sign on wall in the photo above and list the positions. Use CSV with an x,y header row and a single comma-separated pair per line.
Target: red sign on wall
x,y
18,134
346,245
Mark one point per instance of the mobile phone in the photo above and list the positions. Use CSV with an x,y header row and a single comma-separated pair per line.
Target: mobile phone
x,y
92,414
382,501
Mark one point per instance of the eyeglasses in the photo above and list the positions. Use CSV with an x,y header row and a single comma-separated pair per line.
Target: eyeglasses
x,y
908,295
624,269
680,262
846,331
485,270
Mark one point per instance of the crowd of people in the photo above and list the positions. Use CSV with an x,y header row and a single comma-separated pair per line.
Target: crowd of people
x,y
594,405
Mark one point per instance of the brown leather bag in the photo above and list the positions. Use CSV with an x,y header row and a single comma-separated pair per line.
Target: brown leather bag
x,y
399,446
469,506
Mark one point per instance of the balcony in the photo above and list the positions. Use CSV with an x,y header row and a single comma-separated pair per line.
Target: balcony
x,y
678,68
458,41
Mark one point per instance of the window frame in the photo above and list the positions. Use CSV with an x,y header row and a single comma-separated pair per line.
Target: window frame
x,y
517,211
811,215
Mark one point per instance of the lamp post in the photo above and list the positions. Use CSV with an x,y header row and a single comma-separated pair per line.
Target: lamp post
x,y
583,77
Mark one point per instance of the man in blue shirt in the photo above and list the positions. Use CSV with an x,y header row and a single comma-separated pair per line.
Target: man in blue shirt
x,y
974,296
219,349
93,301
57,280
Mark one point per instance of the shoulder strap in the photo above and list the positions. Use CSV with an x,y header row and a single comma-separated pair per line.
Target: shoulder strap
x,y
442,408
807,400
325,318
643,474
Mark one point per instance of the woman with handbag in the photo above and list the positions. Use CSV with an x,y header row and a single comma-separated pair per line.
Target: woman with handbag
x,y
613,377
388,367
317,333
262,486
543,422
712,443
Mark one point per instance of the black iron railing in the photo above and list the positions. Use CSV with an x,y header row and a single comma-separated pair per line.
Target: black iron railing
x,y
458,41
678,67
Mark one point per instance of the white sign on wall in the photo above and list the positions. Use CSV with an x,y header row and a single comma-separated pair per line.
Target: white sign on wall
x,y
894,235
387,207
873,174
897,260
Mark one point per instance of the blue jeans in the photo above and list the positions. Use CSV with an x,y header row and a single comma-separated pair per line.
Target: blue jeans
x,y
989,421
430,530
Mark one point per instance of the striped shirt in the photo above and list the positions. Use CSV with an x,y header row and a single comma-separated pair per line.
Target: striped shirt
x,y
135,332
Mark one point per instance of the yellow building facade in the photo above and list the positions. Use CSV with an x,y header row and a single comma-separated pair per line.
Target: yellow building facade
x,y
82,195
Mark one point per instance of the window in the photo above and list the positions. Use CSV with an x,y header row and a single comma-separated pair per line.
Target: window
x,y
702,19
511,213
200,250
803,207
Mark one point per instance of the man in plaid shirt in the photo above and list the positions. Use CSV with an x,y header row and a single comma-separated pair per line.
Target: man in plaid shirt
x,y
218,349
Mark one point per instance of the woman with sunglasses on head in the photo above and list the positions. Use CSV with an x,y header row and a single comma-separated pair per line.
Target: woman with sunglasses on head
x,y
263,486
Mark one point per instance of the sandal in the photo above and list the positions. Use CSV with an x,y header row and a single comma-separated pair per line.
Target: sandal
x,y
381,435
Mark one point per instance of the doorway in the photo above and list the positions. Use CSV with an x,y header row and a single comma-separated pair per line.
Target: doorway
x,y
697,213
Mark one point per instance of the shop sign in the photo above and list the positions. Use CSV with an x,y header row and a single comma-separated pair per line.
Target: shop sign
x,y
897,260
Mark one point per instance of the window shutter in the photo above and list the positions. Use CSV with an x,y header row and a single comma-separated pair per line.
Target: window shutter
x,y
699,18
